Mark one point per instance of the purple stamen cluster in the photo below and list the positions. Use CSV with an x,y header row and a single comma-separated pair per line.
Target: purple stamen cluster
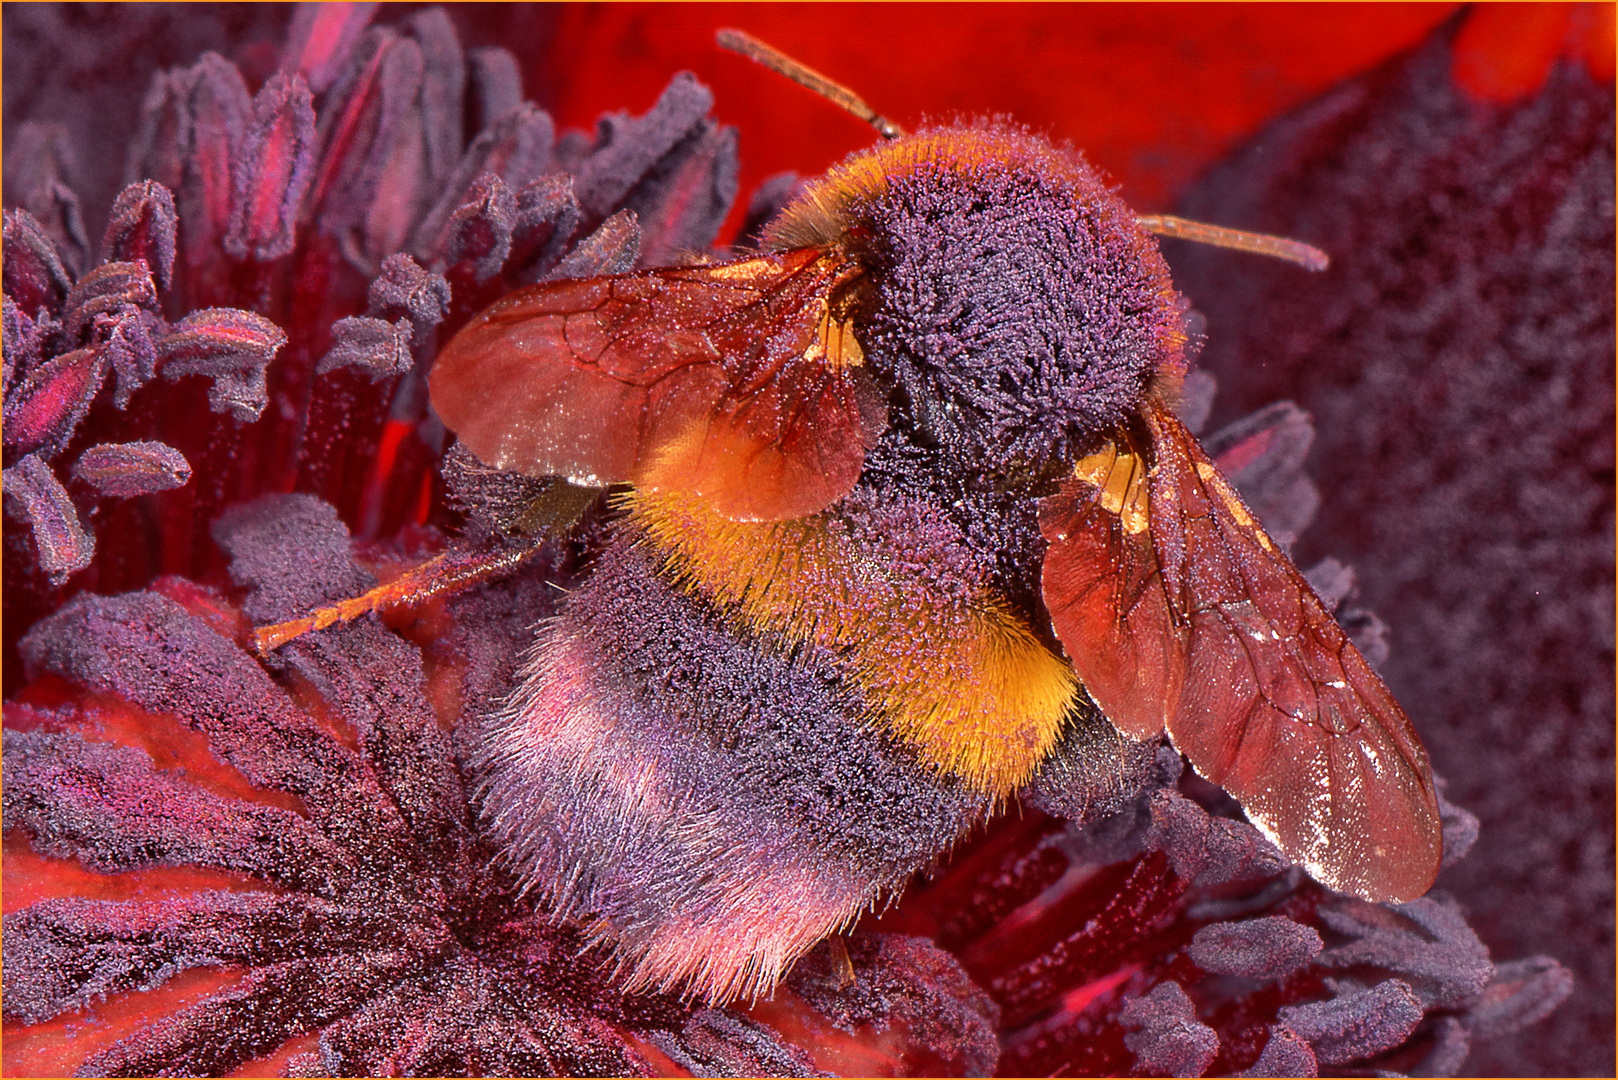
x,y
374,914
339,220
1458,361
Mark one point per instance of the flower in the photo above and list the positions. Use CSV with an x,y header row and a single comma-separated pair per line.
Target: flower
x,y
310,885
1458,367
333,907
223,861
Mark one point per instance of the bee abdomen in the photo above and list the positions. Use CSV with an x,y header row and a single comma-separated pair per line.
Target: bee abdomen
x,y
710,806
939,658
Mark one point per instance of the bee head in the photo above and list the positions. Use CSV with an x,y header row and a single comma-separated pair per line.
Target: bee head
x,y
1012,305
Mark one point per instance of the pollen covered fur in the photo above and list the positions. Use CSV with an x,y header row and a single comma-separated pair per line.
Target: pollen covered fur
x,y
707,809
944,665
1017,308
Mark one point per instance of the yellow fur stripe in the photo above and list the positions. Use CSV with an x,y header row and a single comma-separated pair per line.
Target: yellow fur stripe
x,y
964,682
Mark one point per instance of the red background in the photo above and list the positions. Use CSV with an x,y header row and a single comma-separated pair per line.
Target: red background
x,y
1153,93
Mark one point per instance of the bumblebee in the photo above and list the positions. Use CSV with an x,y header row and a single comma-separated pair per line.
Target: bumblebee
x,y
903,524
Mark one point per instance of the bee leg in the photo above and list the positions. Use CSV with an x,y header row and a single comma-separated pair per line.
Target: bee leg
x,y
453,569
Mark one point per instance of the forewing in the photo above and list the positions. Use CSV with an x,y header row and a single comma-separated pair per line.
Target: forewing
x,y
1279,708
1104,592
733,382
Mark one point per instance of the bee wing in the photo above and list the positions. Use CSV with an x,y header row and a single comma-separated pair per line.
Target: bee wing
x,y
1274,704
1105,594
731,381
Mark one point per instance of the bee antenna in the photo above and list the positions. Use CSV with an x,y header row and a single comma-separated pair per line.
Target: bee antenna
x,y
738,41
1279,247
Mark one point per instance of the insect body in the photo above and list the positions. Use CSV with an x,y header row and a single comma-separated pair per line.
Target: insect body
x,y
907,513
